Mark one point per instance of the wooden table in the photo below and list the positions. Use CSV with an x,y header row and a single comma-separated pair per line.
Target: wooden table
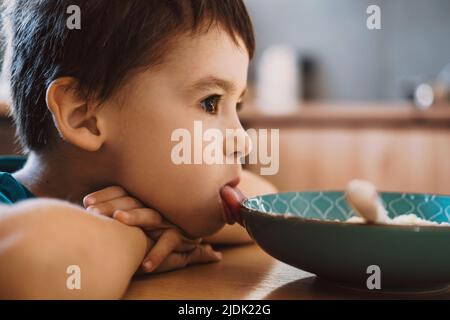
x,y
246,272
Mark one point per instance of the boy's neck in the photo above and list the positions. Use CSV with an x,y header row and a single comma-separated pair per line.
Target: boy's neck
x,y
66,178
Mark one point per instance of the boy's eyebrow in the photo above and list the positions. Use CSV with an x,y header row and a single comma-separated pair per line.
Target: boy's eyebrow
x,y
210,82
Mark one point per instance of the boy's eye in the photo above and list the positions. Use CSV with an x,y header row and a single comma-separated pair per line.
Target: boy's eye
x,y
211,104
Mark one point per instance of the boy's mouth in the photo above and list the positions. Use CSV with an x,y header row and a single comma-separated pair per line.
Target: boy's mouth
x,y
232,198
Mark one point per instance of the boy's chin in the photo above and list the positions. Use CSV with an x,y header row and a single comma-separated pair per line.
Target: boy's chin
x,y
202,230
200,221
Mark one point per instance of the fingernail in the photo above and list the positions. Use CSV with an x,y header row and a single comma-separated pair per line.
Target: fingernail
x,y
123,215
94,210
219,255
148,265
89,201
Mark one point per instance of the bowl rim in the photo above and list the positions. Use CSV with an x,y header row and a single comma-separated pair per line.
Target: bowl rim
x,y
291,216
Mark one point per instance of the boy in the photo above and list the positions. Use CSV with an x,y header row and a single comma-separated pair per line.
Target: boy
x,y
94,109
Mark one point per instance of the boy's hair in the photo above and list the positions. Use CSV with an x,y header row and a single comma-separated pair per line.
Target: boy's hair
x,y
115,38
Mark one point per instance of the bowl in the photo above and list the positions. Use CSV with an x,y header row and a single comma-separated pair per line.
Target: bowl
x,y
308,230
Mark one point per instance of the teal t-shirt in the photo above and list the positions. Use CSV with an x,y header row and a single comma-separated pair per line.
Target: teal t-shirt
x,y
11,190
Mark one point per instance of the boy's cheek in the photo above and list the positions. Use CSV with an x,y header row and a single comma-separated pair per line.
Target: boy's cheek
x,y
187,195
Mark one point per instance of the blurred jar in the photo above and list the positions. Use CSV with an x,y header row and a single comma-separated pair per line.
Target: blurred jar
x,y
278,81
423,96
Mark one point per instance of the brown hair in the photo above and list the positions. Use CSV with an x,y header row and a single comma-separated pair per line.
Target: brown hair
x,y
115,38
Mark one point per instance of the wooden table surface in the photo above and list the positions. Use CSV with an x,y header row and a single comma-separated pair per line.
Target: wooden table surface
x,y
246,272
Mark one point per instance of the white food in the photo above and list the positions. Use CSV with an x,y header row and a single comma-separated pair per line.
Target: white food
x,y
404,220
356,219
363,198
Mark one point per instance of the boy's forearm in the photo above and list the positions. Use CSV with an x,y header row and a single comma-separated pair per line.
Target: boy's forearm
x,y
40,239
251,185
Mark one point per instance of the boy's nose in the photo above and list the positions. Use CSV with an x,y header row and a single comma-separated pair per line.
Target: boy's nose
x,y
237,143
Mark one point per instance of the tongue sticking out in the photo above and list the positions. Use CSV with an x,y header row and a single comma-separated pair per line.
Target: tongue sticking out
x,y
232,198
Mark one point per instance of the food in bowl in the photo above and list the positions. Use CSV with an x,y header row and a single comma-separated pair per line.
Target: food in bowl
x,y
404,219
364,199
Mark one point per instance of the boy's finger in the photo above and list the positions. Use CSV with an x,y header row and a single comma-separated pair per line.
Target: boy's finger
x,y
104,195
155,234
185,243
166,244
202,254
184,246
108,207
141,217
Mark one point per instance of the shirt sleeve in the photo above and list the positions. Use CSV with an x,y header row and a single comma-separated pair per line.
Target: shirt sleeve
x,y
4,199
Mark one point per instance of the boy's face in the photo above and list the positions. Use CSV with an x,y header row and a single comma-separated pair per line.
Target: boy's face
x,y
171,96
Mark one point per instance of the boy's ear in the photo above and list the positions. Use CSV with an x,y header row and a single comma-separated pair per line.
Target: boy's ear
x,y
76,120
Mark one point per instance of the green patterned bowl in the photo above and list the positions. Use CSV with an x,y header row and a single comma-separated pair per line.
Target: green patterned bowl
x,y
307,230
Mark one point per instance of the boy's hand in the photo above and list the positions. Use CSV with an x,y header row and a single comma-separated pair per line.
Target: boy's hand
x,y
172,250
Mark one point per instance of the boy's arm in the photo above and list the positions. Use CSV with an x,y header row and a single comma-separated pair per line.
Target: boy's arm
x,y
40,239
251,185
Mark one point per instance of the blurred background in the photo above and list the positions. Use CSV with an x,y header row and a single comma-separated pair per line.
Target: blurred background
x,y
350,100
339,58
